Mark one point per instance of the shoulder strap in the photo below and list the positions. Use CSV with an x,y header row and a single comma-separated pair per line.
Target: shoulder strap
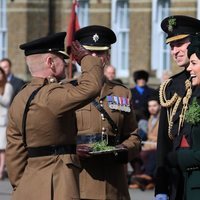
x,y
25,114
106,115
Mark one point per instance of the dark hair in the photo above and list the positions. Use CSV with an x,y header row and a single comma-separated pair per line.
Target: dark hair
x,y
4,77
6,59
194,46
154,97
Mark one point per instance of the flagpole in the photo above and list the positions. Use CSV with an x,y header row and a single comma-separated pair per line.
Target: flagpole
x,y
70,66
71,29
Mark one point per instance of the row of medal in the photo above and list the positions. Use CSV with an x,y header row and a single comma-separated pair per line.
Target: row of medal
x,y
118,103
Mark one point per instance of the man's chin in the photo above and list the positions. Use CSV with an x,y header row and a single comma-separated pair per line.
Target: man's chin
x,y
182,64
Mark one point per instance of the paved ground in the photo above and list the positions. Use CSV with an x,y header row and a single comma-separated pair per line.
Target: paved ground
x,y
5,190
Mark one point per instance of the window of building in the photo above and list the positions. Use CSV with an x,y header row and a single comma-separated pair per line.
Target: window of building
x,y
198,9
160,52
83,12
3,29
120,25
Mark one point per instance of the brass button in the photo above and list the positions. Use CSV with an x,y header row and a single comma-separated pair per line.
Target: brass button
x,y
103,129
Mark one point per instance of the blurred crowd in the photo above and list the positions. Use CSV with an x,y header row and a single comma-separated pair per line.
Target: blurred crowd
x,y
10,85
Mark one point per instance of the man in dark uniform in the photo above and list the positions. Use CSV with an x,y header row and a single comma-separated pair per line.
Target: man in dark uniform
x,y
41,152
109,118
174,97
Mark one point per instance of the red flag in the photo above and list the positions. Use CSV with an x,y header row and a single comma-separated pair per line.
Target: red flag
x,y
72,27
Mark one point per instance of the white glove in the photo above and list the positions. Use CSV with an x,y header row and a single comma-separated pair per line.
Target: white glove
x,y
161,197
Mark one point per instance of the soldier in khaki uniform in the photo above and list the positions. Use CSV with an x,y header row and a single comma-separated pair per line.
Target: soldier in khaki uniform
x,y
40,154
103,176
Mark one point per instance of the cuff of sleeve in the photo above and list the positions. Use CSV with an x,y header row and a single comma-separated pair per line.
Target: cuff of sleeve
x,y
161,197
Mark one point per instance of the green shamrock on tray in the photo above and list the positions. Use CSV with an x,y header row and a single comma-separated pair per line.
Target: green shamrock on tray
x,y
102,146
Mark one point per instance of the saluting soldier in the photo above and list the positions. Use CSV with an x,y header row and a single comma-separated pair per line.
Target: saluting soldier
x,y
41,151
175,94
108,118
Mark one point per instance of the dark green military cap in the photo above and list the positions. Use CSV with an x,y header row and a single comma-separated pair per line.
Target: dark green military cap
x,y
179,26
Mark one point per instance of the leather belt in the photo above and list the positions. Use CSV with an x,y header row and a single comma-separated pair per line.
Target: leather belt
x,y
51,150
97,137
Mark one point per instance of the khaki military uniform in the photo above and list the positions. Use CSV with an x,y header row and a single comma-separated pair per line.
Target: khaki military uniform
x,y
102,176
50,121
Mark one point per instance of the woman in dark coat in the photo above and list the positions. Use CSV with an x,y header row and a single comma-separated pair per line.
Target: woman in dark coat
x,y
188,158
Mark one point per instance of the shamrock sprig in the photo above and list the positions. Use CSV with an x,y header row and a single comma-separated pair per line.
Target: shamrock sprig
x,y
171,24
102,146
192,115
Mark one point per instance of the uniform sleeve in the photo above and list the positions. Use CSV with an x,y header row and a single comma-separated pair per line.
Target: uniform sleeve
x,y
16,154
74,97
188,158
130,134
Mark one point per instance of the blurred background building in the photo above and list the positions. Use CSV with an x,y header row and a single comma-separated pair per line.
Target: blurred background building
x,y
140,45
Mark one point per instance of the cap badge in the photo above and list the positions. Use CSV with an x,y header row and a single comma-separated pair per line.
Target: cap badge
x,y
171,24
95,37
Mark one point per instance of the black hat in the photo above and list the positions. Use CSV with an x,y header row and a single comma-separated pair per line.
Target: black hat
x,y
194,46
179,26
140,74
95,37
52,43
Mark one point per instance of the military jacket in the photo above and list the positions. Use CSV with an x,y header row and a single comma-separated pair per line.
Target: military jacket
x,y
50,121
165,144
101,177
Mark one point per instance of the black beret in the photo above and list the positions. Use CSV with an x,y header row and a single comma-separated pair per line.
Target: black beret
x,y
141,74
51,43
194,46
95,37
179,26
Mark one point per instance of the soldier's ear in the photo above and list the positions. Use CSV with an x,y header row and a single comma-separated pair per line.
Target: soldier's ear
x,y
50,62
